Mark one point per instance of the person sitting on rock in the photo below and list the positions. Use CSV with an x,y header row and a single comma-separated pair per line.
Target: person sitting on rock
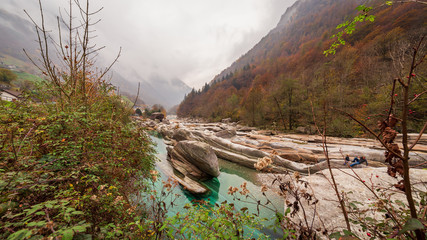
x,y
354,162
347,159
363,160
359,161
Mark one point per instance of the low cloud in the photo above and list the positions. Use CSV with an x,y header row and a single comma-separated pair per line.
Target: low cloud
x,y
190,40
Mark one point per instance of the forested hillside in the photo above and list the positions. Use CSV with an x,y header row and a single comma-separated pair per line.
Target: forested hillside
x,y
276,83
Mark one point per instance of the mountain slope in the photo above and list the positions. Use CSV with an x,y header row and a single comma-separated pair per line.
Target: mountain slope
x,y
274,84
305,20
16,34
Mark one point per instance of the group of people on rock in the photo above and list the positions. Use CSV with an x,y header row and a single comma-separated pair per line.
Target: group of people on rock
x,y
356,161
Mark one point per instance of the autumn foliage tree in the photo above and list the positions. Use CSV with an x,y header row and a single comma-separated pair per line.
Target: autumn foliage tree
x,y
356,75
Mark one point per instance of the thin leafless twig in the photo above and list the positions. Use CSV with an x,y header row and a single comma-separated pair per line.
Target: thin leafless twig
x,y
419,137
326,153
370,131
417,96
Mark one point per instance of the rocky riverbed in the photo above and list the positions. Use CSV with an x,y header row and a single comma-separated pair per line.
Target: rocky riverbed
x,y
296,152
289,153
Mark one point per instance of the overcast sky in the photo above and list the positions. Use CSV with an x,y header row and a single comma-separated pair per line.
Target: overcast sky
x,y
192,40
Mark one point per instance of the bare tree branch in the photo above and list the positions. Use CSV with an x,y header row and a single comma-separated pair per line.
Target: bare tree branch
x,y
391,99
370,131
111,65
419,137
326,153
417,96
137,95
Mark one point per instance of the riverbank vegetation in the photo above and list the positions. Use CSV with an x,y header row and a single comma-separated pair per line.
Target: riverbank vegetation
x,y
72,162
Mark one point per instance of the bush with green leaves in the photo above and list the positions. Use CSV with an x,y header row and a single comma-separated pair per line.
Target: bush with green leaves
x,y
72,170
223,221
72,162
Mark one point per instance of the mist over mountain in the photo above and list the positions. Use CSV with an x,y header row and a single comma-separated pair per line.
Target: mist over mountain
x,y
18,33
14,37
156,90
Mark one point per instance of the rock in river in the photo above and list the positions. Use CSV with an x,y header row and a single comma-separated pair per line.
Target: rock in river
x,y
226,133
181,134
194,159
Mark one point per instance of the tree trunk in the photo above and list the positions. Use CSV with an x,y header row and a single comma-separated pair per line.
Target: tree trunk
x,y
280,112
406,178
290,108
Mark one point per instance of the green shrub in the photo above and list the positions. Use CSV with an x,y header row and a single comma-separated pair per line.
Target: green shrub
x,y
71,171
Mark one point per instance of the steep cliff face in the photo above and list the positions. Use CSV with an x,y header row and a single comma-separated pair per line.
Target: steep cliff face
x,y
274,83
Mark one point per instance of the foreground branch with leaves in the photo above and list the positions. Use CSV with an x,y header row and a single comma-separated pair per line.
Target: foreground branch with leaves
x,y
394,156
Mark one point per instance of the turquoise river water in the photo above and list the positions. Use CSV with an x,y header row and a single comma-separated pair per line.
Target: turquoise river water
x,y
231,175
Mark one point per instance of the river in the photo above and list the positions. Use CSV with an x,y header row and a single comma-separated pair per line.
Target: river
x,y
231,175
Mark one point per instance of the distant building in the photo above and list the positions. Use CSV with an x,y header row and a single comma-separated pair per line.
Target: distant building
x,y
9,95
